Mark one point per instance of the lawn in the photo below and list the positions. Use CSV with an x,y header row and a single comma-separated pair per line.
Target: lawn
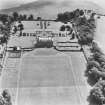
x,y
48,77
53,79
46,71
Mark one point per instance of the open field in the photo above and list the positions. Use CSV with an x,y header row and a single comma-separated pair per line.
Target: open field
x,y
47,78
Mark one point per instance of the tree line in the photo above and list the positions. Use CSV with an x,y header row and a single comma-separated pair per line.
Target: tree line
x,y
95,73
16,16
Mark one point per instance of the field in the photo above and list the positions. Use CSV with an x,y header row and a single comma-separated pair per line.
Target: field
x,y
47,77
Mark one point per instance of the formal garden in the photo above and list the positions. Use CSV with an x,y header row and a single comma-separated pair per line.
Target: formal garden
x,y
85,31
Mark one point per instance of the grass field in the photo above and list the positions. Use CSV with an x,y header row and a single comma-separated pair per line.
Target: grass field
x,y
35,25
46,77
45,71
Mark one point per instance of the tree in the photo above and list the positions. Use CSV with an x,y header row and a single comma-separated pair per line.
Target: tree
x,y
15,16
92,64
99,57
97,94
24,17
3,40
4,18
39,18
76,13
95,48
31,17
11,19
93,72
68,28
86,32
93,75
20,26
81,12
60,17
64,17
71,15
84,39
62,28
20,17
